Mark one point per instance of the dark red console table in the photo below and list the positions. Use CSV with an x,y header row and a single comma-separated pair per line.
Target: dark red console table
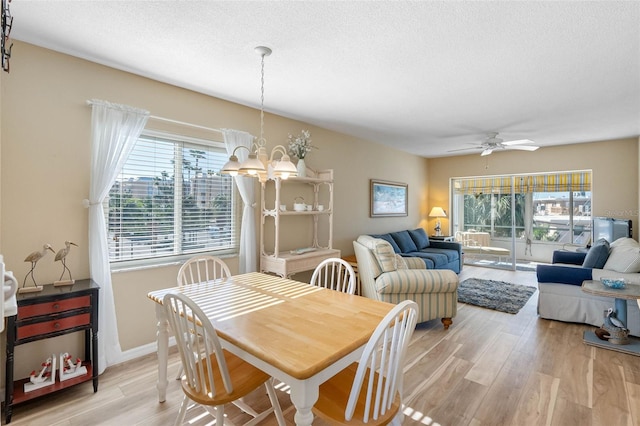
x,y
53,312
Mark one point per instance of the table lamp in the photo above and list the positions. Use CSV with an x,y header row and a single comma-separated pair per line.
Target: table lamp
x,y
437,212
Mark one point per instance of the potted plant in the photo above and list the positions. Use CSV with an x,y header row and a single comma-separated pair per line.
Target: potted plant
x,y
300,146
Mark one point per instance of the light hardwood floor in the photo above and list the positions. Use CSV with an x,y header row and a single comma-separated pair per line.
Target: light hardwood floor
x,y
489,368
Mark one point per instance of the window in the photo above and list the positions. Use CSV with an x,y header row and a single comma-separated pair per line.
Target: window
x,y
169,200
562,216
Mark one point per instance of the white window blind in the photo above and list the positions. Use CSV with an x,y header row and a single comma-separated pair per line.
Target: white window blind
x,y
170,199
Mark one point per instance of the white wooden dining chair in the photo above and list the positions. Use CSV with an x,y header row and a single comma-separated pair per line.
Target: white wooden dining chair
x,y
335,274
370,391
213,376
201,268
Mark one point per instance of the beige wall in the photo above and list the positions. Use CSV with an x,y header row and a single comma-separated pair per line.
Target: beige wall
x,y
614,165
45,169
45,153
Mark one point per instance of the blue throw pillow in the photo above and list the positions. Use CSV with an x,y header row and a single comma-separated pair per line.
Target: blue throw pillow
x,y
404,241
388,238
597,255
420,238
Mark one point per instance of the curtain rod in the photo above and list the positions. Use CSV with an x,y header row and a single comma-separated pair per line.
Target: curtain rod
x,y
168,120
184,123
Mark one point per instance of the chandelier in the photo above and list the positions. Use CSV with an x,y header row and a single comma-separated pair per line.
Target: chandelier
x,y
5,42
259,164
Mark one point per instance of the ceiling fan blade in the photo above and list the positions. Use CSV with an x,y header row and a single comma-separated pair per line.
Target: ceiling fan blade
x,y
494,142
518,142
465,149
523,147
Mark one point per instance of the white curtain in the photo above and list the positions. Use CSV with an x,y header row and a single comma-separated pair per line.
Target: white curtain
x,y
528,222
246,187
114,131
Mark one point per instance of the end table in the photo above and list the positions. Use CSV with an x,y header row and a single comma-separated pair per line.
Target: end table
x,y
631,291
53,312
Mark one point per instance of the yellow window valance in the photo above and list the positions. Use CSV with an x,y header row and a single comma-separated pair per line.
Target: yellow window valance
x,y
500,184
576,181
549,182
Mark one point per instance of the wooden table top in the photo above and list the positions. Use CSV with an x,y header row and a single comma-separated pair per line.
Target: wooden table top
x,y
298,328
630,291
350,259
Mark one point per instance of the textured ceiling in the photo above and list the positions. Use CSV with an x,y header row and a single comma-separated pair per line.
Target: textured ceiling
x,y
426,77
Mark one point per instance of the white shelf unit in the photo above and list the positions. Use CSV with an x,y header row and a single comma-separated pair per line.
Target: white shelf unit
x,y
283,262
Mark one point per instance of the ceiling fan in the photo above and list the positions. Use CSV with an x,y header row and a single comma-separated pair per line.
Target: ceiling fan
x,y
493,142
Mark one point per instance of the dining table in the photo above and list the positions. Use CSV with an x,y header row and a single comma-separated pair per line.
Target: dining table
x,y
300,334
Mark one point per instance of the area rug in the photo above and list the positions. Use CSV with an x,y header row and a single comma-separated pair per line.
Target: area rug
x,y
498,295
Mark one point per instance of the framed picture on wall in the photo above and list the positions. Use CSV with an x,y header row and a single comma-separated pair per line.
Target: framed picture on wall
x,y
388,198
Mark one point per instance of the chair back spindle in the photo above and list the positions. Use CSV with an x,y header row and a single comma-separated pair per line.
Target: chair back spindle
x,y
335,274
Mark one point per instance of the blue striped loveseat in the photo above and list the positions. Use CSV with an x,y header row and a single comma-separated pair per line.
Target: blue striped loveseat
x,y
389,277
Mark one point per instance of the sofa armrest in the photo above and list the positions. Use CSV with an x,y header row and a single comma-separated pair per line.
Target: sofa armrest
x,y
417,281
563,274
414,262
568,257
451,245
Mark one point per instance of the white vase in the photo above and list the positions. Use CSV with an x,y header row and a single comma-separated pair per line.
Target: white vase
x,y
302,168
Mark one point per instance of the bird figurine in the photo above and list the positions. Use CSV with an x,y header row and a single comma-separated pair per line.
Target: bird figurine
x,y
618,332
61,256
610,319
34,258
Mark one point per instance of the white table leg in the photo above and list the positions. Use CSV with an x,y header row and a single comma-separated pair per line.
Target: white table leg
x,y
163,351
304,395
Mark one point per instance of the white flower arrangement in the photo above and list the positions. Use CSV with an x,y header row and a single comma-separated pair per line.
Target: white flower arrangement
x,y
300,145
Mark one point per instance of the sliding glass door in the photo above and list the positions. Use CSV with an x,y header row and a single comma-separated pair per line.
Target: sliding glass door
x,y
514,221
487,216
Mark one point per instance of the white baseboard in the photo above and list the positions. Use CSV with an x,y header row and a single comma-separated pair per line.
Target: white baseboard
x,y
144,350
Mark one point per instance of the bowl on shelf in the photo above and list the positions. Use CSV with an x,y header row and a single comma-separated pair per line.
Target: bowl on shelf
x,y
613,282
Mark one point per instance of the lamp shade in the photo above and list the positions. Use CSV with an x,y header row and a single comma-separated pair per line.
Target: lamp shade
x,y
231,167
285,168
437,212
252,166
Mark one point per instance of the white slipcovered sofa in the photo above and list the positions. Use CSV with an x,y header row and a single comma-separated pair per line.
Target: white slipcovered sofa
x,y
560,293
392,278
